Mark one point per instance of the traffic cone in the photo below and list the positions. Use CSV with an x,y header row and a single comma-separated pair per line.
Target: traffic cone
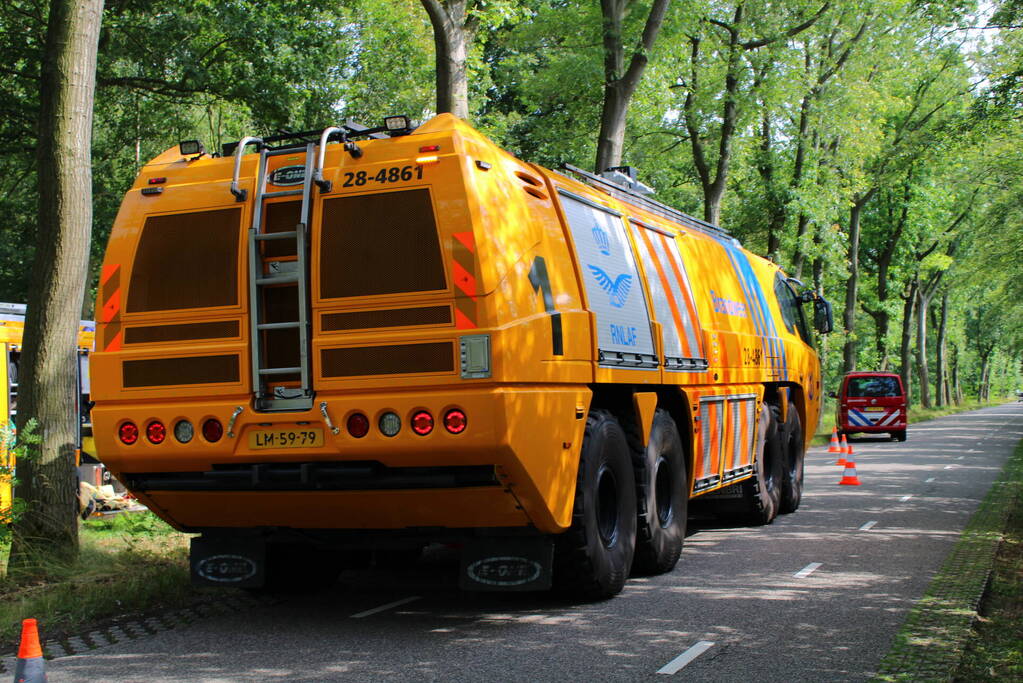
x,y
845,449
849,477
834,447
31,667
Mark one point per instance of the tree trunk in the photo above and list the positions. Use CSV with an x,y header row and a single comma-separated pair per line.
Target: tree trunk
x,y
985,369
849,315
941,396
905,348
453,31
921,349
957,391
48,386
620,83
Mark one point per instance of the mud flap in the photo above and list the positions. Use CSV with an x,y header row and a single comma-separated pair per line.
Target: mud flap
x,y
507,564
238,563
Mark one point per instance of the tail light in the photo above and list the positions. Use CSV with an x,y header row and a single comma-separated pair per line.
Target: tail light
x,y
455,421
128,433
422,423
212,430
156,432
358,425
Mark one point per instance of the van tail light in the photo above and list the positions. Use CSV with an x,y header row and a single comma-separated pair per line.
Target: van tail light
x,y
156,432
455,421
422,423
128,432
212,430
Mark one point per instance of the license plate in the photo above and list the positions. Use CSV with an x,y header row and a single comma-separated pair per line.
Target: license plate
x,y
874,410
286,438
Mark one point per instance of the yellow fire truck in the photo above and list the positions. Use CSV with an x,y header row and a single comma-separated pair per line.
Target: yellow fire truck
x,y
351,339
12,326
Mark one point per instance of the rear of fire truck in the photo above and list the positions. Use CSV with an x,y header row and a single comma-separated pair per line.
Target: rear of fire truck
x,y
318,345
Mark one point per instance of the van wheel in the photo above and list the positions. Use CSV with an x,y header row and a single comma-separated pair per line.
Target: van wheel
x,y
792,453
899,435
592,559
662,496
763,491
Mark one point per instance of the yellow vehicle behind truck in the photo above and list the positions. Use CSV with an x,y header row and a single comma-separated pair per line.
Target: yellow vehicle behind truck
x,y
12,327
323,344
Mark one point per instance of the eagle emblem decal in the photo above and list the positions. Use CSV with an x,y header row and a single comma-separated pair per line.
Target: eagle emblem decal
x,y
618,287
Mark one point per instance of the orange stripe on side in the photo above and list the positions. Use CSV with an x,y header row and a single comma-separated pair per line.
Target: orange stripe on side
x,y
464,280
684,288
116,337
108,271
112,307
467,239
462,322
683,338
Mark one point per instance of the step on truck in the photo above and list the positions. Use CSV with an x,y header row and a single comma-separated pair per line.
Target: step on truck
x,y
318,346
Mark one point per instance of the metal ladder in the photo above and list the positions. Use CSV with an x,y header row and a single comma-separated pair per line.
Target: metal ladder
x,y
281,398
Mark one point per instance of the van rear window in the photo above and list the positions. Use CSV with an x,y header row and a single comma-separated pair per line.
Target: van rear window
x,y
186,260
873,387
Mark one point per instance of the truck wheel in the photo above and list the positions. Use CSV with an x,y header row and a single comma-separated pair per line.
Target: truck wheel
x,y
662,496
592,559
899,435
763,491
792,452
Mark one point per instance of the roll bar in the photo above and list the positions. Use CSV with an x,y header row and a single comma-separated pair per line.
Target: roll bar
x,y
239,193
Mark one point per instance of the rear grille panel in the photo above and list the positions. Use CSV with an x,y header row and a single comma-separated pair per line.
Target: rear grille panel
x,y
383,243
315,476
395,317
388,360
161,372
152,334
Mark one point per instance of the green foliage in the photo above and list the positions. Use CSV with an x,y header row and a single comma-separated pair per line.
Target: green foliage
x,y
21,447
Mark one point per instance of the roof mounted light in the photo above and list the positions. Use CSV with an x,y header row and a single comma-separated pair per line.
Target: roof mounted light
x,y
190,148
398,125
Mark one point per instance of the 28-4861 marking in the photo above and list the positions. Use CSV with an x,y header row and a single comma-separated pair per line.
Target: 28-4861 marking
x,y
394,174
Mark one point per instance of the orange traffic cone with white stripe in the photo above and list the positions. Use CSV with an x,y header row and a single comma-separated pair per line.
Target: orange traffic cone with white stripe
x,y
31,667
849,477
834,447
845,450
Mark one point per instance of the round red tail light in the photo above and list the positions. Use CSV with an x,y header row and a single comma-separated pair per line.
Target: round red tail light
x,y
128,433
156,432
422,423
358,425
212,430
455,421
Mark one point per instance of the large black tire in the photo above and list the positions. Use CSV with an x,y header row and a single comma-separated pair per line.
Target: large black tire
x,y
662,496
792,461
899,435
762,492
592,559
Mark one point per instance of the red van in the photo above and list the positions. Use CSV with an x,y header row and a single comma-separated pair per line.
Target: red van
x,y
872,403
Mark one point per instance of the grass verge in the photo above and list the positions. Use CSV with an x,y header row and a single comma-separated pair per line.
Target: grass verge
x,y
931,643
995,649
128,564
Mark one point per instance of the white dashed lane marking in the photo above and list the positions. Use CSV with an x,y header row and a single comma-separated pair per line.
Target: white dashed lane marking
x,y
807,570
905,498
869,525
384,608
675,665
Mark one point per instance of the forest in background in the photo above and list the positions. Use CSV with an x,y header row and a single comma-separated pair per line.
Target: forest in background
x,y
873,149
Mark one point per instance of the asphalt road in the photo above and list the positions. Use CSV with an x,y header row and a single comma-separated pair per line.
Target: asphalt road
x,y
817,595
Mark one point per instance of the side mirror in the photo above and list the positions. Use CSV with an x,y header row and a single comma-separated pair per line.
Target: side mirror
x,y
823,319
